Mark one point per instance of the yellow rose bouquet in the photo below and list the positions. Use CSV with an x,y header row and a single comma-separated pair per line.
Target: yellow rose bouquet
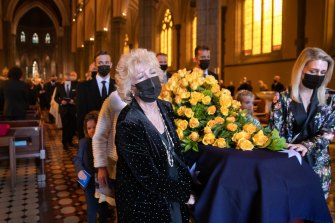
x,y
205,113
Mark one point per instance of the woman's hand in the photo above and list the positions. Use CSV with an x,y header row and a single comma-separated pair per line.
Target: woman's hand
x,y
299,148
102,176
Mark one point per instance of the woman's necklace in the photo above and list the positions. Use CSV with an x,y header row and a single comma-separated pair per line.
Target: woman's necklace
x,y
169,147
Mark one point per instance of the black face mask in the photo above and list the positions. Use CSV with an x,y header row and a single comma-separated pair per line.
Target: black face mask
x,y
149,89
204,64
104,70
164,67
312,81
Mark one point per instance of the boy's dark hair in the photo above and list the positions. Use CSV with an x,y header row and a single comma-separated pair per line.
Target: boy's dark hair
x,y
93,115
161,54
200,47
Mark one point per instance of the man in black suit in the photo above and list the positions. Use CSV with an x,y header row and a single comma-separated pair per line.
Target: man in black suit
x,y
277,85
162,59
92,93
14,94
202,59
65,97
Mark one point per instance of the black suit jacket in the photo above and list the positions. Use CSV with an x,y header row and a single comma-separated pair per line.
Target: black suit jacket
x,y
145,188
49,90
15,97
89,99
61,95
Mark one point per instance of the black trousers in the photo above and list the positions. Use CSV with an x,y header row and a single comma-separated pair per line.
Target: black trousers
x,y
68,116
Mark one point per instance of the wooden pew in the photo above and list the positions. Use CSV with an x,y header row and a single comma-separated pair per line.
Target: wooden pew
x,y
31,132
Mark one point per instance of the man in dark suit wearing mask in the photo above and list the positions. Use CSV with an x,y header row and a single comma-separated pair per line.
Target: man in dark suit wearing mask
x,y
202,59
65,97
162,60
92,93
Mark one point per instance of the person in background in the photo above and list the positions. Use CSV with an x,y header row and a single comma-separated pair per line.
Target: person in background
x,y
49,90
262,86
92,93
65,96
202,58
277,85
247,103
104,149
162,60
152,181
14,93
231,88
305,115
245,85
84,161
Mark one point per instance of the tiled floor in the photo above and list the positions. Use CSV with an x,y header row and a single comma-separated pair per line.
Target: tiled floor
x,y
60,199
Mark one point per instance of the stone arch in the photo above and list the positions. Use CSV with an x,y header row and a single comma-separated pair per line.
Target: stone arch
x,y
22,10
104,9
59,3
80,30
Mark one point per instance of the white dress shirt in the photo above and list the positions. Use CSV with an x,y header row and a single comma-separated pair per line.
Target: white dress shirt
x,y
100,79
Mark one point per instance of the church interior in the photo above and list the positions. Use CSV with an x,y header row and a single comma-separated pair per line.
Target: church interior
x,y
252,40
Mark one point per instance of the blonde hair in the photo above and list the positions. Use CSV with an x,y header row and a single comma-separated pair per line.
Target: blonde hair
x,y
307,55
244,93
126,70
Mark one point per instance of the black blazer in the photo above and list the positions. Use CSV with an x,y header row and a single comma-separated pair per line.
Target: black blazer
x,y
144,189
61,94
15,97
89,99
49,90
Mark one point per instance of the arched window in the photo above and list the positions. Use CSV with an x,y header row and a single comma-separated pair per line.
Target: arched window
x,y
125,44
194,33
35,38
23,37
47,38
166,36
262,26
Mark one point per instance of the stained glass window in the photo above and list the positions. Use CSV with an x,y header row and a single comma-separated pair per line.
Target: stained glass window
x,y
23,37
194,33
35,38
47,38
262,26
166,36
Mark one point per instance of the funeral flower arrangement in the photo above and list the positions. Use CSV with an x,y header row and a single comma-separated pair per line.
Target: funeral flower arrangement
x,y
206,113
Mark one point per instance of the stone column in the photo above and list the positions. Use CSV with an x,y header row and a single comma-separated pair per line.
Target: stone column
x,y
100,41
178,27
79,61
117,39
147,18
88,54
208,28
301,14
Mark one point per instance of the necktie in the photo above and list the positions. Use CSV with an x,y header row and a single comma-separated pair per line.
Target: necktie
x,y
68,90
104,90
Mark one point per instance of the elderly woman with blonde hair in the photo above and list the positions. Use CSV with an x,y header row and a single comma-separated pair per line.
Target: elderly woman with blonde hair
x,y
152,181
305,115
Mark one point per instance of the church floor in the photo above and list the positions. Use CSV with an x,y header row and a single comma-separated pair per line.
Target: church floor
x,y
60,199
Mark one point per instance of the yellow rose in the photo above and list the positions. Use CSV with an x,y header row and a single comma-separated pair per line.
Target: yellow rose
x,y
230,119
188,113
231,127
207,130
185,95
182,124
234,114
211,123
181,111
240,135
208,139
215,88
209,79
224,111
219,120
183,82
183,72
197,96
260,139
194,86
206,100
193,123
180,133
236,104
245,144
177,100
211,110
194,136
220,142
193,101
225,100
250,128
